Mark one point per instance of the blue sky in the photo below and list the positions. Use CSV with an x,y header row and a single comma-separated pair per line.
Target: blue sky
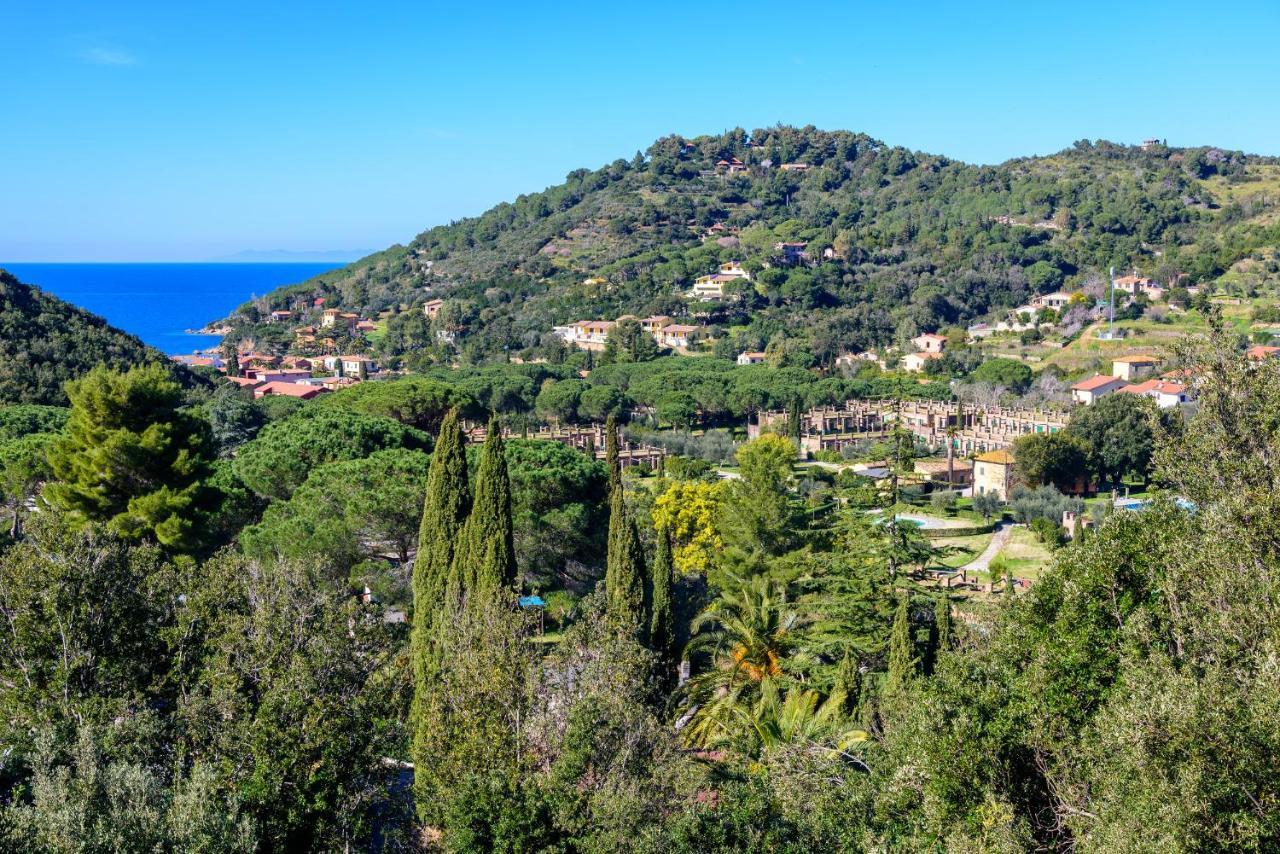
x,y
151,131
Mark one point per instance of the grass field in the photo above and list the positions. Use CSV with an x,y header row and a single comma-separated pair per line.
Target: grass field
x,y
967,548
1024,555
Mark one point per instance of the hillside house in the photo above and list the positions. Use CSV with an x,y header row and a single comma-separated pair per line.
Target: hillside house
x,y
711,286
930,342
366,326
993,474
957,473
332,318
281,316
1132,368
653,325
1058,300
266,375
794,167
731,166
1088,391
1135,284
1166,394
681,335
586,334
915,362
1261,353
302,392
432,307
792,253
751,358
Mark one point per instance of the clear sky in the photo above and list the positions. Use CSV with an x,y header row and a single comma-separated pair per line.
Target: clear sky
x,y
153,131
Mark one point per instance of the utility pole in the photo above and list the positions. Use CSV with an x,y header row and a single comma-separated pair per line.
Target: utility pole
x,y
1111,328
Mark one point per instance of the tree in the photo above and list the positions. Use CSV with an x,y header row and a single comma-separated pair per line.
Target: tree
x,y
1009,373
131,456
611,461
988,504
662,620
942,621
419,402
628,342
902,651
1060,459
688,511
599,402
1119,431
485,557
558,400
233,419
231,356
679,409
23,469
624,580
285,452
759,514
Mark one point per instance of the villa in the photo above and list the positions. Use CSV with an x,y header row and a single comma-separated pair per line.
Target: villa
x,y
1089,391
1133,367
915,362
1166,394
750,358
993,474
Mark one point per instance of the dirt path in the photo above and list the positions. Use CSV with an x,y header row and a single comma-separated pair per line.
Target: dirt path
x,y
998,539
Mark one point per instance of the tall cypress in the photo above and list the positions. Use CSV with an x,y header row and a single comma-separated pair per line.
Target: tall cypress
x,y
902,662
624,571
611,452
486,553
661,623
444,512
942,622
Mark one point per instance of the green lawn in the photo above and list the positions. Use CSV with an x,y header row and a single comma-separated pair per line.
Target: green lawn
x,y
967,548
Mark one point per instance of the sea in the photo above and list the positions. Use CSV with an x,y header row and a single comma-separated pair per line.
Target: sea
x,y
160,302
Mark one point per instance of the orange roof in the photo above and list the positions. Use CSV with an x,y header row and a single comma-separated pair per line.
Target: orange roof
x,y
1002,458
1094,383
1136,360
244,382
1158,386
287,390
1261,352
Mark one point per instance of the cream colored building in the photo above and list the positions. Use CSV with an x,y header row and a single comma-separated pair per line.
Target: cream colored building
x,y
993,473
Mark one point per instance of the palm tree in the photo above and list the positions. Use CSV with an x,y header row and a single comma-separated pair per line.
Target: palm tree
x,y
749,632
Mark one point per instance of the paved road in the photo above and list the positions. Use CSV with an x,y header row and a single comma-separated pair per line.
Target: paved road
x,y
998,539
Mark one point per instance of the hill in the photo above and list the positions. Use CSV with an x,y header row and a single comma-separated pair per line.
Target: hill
x,y
896,242
44,342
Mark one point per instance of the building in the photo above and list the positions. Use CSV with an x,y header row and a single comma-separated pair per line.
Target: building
x,y
245,382
930,342
353,366
732,165
281,316
1261,353
1088,391
303,392
586,334
794,167
980,330
1133,367
653,325
1135,284
993,474
750,358
1057,300
915,362
1166,394
792,253
332,318
265,375
711,286
366,326
432,307
681,335
957,473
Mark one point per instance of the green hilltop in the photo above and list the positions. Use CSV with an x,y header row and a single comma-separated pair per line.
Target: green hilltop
x,y
897,242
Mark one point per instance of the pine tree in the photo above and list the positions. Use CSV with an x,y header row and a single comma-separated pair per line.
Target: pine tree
x,y
902,660
611,452
444,513
486,555
942,622
231,358
624,572
661,626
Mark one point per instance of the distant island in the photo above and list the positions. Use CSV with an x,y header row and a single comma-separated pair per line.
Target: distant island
x,y
289,256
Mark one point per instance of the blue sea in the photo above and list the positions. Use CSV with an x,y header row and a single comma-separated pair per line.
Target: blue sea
x,y
159,302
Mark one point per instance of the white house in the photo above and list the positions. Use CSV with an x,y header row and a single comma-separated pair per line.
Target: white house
x,y
915,362
750,358
1133,367
711,287
930,342
1088,391
1056,301
586,334
1166,394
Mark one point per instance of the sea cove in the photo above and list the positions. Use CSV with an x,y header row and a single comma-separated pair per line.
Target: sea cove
x,y
160,302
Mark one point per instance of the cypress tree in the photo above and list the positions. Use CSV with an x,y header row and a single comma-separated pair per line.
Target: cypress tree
x,y
611,452
661,626
486,554
231,356
901,647
624,571
942,622
793,420
444,512
1077,530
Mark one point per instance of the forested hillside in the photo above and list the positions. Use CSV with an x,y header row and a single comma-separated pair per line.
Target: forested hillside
x,y
897,241
44,342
